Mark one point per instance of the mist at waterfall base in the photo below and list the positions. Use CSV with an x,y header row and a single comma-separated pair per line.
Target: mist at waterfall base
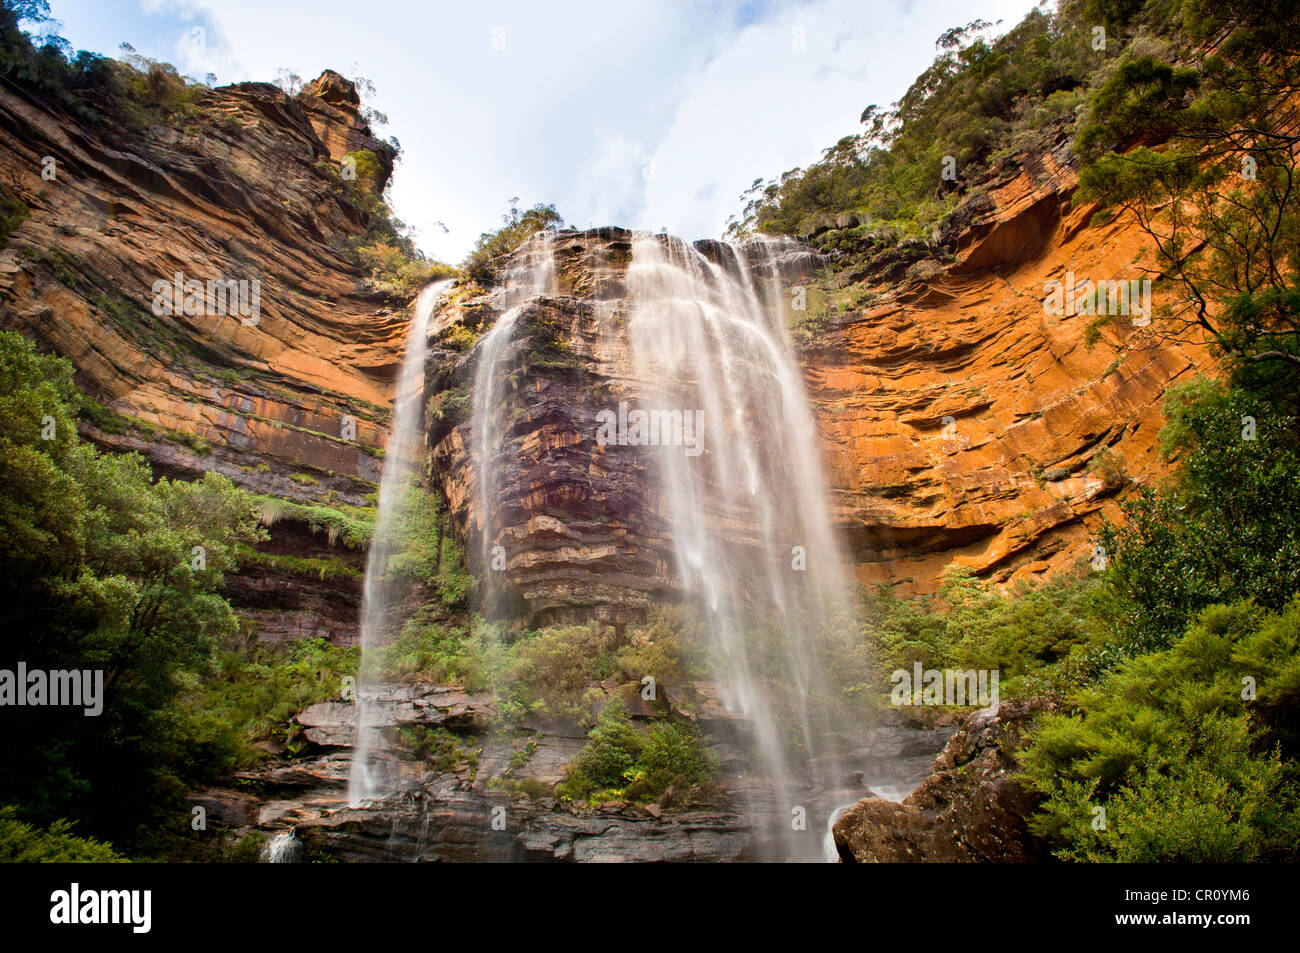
x,y
368,778
753,544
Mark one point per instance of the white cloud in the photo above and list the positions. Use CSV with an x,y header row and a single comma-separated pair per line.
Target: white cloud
x,y
639,114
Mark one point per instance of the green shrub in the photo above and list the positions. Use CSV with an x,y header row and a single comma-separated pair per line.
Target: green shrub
x,y
673,755
21,843
518,226
1225,528
252,693
553,669
612,748
1187,765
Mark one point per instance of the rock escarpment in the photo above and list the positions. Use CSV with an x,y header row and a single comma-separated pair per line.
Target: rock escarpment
x,y
446,801
961,420
970,808
582,526
958,418
292,401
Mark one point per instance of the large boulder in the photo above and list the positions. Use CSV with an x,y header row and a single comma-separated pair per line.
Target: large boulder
x,y
971,808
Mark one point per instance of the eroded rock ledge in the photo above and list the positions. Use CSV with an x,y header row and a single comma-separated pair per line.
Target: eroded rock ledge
x,y
970,809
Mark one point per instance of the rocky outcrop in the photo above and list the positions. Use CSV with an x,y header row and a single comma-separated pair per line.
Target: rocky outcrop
x,y
970,808
961,420
488,791
584,535
243,186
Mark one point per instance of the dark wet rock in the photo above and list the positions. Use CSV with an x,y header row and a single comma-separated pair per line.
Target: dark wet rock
x,y
443,811
970,808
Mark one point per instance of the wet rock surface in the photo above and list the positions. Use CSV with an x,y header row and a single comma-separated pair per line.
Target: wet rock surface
x,y
970,808
467,814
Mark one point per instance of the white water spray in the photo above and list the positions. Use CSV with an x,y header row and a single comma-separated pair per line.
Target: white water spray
x,y
531,275
368,779
283,848
751,529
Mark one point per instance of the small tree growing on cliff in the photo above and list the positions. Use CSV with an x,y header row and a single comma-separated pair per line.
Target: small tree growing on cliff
x,y
1212,178
517,225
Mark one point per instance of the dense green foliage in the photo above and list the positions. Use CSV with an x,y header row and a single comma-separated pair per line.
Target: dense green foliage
x,y
551,675
1228,528
1200,145
545,673
980,100
385,251
621,760
1179,661
21,843
251,692
425,548
1036,637
135,90
1179,752
103,568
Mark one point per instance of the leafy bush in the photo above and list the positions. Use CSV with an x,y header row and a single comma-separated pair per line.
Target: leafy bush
x,y
21,843
1043,631
612,748
978,95
1227,528
552,670
251,693
518,226
1186,764
674,756
620,761
103,567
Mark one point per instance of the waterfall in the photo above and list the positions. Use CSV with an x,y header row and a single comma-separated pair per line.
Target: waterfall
x,y
531,275
737,479
751,529
283,848
367,779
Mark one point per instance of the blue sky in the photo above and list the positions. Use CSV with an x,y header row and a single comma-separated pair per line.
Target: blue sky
x,y
646,114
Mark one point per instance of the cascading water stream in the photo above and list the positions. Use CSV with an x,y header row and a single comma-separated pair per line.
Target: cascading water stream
x,y
367,779
743,495
531,275
750,524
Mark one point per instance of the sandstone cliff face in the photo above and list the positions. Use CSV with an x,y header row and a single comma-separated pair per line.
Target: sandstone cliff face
x,y
582,531
960,419
244,189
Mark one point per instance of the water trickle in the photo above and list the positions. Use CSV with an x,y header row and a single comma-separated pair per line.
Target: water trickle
x,y
830,853
367,778
751,529
283,848
531,275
